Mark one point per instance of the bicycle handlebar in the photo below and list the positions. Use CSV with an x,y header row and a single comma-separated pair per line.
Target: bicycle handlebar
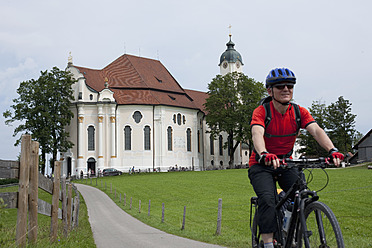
x,y
305,162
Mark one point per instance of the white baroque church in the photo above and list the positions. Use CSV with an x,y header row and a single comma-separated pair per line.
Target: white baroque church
x,y
133,113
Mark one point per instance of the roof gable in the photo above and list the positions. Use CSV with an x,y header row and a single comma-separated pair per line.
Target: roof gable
x,y
363,139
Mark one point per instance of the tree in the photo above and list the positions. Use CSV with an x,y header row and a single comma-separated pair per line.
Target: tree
x,y
232,99
341,124
309,145
43,109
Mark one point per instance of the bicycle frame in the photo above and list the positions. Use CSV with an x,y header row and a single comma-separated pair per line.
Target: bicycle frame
x,y
302,197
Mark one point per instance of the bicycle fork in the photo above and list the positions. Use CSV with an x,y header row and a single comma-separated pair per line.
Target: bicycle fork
x,y
305,200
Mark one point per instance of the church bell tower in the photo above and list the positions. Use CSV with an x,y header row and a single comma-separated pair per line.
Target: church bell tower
x,y
230,60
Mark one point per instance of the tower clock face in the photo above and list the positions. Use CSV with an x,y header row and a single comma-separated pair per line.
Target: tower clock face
x,y
224,64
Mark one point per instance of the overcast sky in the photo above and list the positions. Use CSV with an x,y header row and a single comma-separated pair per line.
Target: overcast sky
x,y
326,43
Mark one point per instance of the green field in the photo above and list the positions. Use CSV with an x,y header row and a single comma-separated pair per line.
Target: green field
x,y
348,194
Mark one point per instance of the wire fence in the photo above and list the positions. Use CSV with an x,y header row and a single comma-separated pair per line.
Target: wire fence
x,y
189,213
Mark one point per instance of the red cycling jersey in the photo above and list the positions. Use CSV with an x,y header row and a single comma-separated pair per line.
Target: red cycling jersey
x,y
279,125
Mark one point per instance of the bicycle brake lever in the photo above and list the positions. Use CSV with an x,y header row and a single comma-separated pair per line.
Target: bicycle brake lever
x,y
326,160
283,164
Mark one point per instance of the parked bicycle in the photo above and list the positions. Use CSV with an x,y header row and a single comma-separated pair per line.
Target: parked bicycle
x,y
303,221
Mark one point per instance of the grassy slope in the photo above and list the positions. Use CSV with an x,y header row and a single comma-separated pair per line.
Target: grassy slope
x,y
348,194
79,237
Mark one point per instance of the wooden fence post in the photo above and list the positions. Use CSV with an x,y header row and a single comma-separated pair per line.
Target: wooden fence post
x,y
184,218
139,206
162,212
219,217
64,206
33,196
75,213
69,207
55,201
23,191
76,208
148,214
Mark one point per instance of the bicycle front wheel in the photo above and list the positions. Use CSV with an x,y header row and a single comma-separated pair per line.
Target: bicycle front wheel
x,y
323,228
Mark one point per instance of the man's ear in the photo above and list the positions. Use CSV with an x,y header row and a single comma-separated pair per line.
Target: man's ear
x,y
270,91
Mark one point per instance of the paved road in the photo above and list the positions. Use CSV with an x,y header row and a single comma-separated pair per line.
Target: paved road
x,y
112,227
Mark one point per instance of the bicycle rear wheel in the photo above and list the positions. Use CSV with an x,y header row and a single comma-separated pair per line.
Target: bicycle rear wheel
x,y
256,240
323,227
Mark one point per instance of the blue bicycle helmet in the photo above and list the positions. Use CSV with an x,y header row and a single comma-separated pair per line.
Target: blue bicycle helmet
x,y
280,75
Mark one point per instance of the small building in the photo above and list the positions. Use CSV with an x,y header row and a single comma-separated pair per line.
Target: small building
x,y
364,149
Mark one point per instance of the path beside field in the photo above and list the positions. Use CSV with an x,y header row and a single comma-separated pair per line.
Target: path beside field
x,y
112,227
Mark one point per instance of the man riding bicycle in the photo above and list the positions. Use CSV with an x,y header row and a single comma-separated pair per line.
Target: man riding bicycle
x,y
274,140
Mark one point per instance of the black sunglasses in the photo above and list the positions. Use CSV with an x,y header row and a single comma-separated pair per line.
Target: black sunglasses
x,y
282,86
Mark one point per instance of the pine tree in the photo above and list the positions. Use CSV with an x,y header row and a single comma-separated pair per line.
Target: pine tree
x,y
309,145
341,124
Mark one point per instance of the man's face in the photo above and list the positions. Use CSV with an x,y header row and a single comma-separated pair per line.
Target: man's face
x,y
281,92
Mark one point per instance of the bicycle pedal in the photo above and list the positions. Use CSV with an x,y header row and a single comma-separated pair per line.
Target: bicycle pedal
x,y
254,200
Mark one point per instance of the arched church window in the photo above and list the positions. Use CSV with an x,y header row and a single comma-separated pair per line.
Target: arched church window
x,y
179,119
147,132
211,140
198,141
174,118
229,144
91,132
91,97
220,141
127,138
169,134
188,139
137,116
184,119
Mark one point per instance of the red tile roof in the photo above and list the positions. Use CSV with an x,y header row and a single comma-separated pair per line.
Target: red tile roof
x,y
137,80
199,98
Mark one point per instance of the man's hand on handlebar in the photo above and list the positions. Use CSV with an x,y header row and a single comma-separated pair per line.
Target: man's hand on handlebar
x,y
335,156
269,159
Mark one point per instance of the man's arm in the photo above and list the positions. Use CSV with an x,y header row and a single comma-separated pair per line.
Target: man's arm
x,y
258,138
322,138
260,147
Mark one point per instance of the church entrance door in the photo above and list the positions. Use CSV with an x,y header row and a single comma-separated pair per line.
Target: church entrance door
x,y
91,166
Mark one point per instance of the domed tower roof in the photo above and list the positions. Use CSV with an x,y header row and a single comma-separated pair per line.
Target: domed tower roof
x,y
231,55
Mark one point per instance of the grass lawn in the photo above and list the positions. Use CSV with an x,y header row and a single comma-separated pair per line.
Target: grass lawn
x,y
348,194
82,236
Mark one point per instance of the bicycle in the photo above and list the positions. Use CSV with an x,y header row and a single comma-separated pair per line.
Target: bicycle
x,y
312,223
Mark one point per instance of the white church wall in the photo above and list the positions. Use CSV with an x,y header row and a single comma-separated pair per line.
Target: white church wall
x,y
178,155
137,156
